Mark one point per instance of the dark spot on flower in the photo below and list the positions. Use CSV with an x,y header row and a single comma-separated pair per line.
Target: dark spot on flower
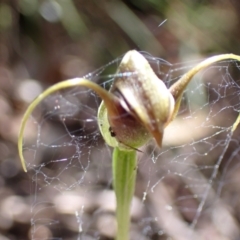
x,y
112,133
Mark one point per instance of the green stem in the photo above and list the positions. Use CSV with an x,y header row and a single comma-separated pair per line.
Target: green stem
x,y
124,178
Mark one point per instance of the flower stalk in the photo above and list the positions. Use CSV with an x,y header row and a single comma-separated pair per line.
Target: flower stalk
x,y
124,167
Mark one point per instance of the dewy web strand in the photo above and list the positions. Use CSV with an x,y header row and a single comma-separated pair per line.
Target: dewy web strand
x,y
70,163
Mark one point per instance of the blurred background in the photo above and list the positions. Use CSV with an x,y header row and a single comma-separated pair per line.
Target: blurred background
x,y
43,42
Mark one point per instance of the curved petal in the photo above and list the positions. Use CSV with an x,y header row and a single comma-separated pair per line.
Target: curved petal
x,y
107,97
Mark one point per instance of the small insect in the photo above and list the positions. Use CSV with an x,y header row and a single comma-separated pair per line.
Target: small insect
x,y
112,133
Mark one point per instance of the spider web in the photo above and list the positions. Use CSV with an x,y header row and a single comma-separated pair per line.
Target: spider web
x,y
186,190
